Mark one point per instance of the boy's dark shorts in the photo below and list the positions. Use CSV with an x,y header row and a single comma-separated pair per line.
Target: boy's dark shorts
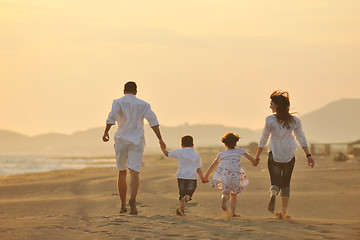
x,y
186,187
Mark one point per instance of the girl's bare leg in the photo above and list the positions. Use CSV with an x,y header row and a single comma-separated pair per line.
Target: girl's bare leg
x,y
233,202
224,199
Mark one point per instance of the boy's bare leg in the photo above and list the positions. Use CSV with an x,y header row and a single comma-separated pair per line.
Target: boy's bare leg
x,y
233,202
134,187
182,204
181,208
178,210
122,189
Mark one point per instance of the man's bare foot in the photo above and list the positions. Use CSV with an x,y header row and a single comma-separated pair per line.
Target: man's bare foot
x,y
180,212
133,210
123,210
271,206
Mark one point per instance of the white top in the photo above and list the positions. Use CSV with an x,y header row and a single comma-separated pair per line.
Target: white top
x,y
282,140
230,159
189,162
129,113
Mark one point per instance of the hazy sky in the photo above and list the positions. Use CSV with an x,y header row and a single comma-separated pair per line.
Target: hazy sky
x,y
62,62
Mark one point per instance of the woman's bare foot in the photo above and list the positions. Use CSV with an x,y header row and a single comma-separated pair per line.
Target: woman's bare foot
x,y
271,206
133,210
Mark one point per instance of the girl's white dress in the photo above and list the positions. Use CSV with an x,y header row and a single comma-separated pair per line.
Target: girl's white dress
x,y
230,176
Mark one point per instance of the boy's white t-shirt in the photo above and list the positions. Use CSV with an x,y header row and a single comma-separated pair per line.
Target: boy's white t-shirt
x,y
189,162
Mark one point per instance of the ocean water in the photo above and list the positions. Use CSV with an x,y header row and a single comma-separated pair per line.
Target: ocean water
x,y
18,164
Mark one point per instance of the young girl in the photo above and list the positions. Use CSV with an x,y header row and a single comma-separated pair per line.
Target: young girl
x,y
230,176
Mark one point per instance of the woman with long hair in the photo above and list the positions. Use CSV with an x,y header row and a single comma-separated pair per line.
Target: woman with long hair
x,y
282,127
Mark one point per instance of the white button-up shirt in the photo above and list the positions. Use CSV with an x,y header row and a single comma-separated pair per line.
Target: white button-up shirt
x,y
189,162
282,140
129,113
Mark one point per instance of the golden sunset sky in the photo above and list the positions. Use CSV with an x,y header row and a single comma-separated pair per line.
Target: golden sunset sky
x,y
62,62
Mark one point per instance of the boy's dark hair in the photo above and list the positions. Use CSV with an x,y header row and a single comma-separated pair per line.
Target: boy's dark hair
x,y
187,141
130,87
230,139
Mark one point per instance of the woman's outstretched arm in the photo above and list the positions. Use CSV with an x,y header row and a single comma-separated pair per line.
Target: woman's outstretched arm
x,y
310,160
257,156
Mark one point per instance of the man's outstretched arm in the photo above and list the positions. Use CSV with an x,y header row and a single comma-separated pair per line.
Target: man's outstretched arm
x,y
156,130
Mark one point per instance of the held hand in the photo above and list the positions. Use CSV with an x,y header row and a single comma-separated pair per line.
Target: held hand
x,y
205,180
311,162
162,144
256,161
106,137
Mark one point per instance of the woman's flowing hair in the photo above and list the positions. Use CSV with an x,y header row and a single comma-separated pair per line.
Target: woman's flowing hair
x,y
281,99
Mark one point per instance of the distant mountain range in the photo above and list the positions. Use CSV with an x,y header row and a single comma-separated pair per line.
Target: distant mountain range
x,y
335,123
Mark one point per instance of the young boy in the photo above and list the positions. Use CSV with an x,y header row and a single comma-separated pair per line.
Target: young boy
x,y
188,171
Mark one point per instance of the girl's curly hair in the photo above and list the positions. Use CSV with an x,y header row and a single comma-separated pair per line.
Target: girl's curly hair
x,y
230,139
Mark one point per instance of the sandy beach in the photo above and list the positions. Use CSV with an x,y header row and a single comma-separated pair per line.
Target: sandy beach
x,y
83,204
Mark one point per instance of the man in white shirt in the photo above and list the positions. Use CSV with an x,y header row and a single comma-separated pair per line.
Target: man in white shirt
x,y
129,113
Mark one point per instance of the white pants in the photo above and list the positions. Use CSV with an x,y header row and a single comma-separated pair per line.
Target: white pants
x,y
128,155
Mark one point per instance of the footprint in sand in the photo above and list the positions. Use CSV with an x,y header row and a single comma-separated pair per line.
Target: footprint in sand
x,y
310,227
173,235
192,204
329,224
142,206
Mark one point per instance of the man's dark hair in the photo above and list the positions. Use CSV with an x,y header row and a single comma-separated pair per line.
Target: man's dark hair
x,y
130,87
187,141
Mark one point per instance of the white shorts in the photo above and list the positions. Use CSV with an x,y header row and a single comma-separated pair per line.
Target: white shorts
x,y
128,155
